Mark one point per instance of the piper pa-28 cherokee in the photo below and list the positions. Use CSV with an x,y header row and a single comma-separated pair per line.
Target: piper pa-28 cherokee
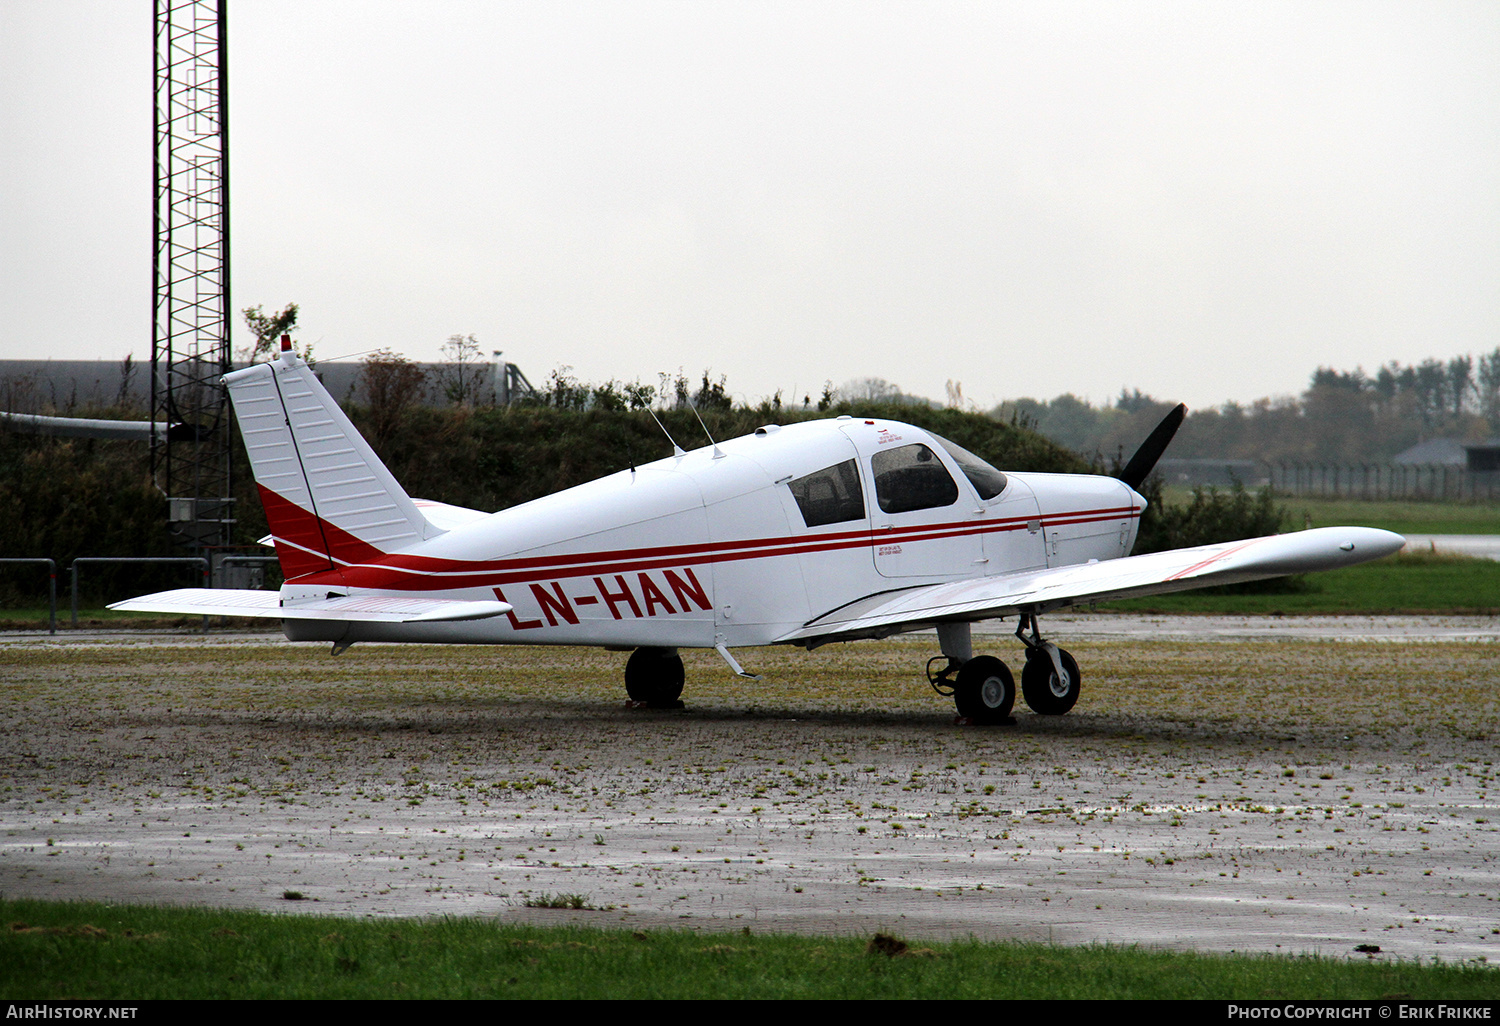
x,y
830,530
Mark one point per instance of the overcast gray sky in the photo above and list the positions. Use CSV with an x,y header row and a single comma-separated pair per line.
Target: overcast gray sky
x,y
1205,201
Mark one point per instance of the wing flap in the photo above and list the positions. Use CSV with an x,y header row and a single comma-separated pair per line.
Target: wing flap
x,y
267,604
1157,573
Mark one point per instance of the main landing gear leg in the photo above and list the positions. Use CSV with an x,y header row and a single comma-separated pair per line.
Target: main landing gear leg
x,y
654,676
1050,682
981,686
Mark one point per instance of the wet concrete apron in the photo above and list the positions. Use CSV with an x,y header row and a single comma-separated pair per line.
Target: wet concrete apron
x,y
1228,832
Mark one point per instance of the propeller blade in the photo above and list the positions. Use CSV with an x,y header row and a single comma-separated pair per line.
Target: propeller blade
x,y
1151,449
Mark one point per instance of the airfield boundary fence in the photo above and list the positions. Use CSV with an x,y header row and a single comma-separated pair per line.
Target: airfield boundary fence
x,y
210,575
1374,481
92,560
51,565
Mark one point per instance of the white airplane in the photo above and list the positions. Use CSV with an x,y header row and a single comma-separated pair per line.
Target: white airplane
x,y
804,534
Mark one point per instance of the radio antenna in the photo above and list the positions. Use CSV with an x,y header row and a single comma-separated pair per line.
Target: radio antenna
x,y
717,454
676,449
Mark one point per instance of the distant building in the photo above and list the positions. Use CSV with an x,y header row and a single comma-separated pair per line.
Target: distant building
x,y
30,386
1475,457
1443,452
1483,457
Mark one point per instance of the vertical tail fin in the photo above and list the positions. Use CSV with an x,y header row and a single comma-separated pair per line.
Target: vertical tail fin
x,y
329,500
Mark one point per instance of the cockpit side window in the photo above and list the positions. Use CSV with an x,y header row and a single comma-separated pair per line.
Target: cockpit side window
x,y
830,496
987,481
911,478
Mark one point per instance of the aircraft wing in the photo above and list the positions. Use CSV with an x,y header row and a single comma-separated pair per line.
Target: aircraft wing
x,y
1156,573
363,608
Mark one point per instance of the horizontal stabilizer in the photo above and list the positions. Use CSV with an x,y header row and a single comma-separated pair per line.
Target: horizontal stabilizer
x,y
1156,573
352,608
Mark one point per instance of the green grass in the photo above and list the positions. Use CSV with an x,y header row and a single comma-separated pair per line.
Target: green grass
x,y
1421,583
51,951
1403,517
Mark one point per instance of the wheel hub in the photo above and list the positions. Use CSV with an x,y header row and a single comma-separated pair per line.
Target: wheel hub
x,y
1059,685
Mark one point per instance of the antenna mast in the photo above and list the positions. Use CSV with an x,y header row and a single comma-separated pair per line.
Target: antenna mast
x,y
190,259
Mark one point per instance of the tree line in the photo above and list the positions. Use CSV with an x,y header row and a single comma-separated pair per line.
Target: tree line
x,y
1342,416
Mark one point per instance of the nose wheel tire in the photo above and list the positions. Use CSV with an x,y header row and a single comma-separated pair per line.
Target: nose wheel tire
x,y
654,676
1043,690
985,691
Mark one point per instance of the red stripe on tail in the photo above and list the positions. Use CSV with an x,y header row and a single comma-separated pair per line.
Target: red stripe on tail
x,y
306,544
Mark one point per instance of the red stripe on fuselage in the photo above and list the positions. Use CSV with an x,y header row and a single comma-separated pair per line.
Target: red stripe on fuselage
x,y
420,564
412,572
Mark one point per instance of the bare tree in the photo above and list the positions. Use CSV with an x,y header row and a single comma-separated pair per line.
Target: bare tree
x,y
1460,382
127,378
392,384
463,372
871,389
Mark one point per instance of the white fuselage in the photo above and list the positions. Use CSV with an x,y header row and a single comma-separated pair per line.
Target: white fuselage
x,y
712,547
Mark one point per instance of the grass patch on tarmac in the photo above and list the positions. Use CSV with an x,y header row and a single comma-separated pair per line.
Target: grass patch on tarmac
x,y
378,690
52,951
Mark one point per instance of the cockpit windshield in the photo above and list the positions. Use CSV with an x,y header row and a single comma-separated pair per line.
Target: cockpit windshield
x,y
987,481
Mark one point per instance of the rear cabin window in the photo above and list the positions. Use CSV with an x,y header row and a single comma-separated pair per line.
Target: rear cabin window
x,y
912,478
830,496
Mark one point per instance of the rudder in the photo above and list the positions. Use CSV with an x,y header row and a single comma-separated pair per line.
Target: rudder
x,y
329,499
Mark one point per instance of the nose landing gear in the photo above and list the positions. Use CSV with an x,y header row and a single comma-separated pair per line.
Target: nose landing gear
x,y
1050,682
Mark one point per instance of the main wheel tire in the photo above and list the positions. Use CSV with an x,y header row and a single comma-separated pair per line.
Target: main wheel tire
x,y
985,691
1042,689
654,676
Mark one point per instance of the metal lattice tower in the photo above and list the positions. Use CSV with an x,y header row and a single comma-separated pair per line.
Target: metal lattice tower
x,y
191,309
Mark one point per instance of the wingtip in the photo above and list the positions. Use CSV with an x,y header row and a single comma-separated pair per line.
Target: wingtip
x,y
1364,543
